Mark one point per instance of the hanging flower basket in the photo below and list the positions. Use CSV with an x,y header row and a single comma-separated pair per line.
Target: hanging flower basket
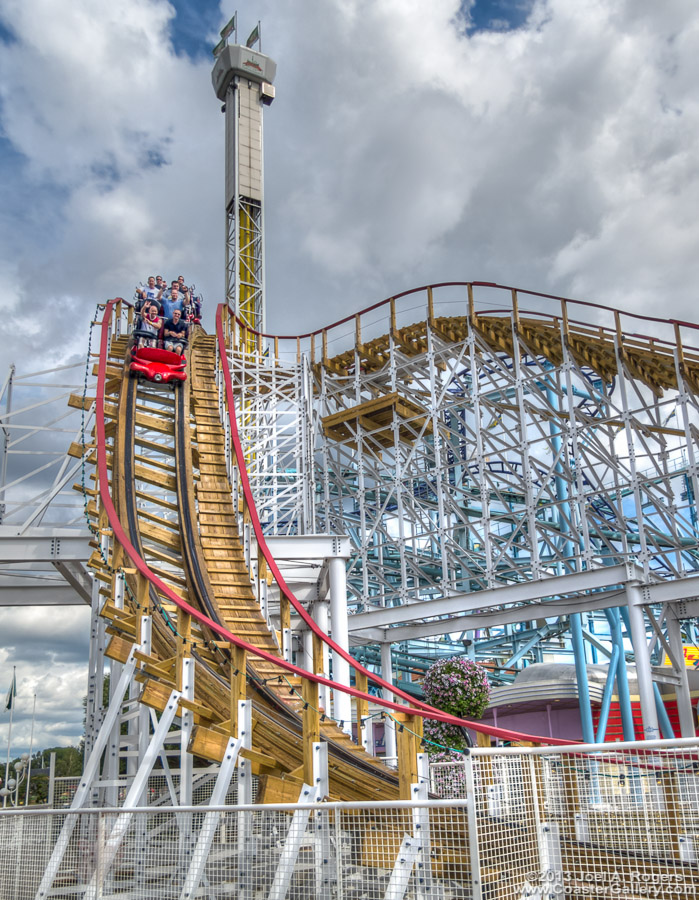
x,y
457,686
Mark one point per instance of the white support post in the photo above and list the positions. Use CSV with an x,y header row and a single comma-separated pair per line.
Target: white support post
x,y
286,644
94,711
320,614
111,769
246,848
325,862
90,772
367,731
186,765
244,768
292,844
211,820
247,549
235,494
553,886
139,725
263,600
254,565
306,637
133,797
101,836
342,705
321,780
684,698
473,849
389,727
94,683
644,674
421,830
187,724
52,780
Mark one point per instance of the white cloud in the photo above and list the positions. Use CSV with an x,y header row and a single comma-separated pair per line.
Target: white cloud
x,y
111,133
79,84
419,154
48,646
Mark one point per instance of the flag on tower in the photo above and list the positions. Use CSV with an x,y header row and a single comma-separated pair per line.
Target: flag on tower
x,y
230,26
12,693
254,36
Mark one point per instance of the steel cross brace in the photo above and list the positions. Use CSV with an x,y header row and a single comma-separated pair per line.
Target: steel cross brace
x,y
297,831
400,876
118,832
89,775
211,820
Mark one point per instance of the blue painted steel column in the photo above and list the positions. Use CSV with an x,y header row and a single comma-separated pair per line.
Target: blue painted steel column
x,y
622,678
588,730
607,696
663,718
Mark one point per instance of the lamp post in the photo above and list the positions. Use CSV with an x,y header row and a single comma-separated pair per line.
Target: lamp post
x,y
10,791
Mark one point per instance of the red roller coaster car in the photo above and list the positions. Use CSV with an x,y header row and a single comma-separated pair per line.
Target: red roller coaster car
x,y
161,366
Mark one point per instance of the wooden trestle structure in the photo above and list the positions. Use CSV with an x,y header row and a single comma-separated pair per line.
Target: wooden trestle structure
x,y
155,486
176,546
178,542
649,361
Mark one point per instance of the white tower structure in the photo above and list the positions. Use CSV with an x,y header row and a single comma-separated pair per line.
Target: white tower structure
x,y
242,79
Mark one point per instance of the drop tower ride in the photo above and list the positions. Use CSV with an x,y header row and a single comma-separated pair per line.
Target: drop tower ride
x,y
242,79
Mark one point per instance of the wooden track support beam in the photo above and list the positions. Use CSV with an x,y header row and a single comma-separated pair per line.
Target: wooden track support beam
x,y
407,754
311,725
239,663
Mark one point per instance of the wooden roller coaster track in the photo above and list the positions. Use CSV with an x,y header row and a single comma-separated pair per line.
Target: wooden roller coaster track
x,y
188,547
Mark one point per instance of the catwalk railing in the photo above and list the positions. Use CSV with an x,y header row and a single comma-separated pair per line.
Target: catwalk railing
x,y
614,821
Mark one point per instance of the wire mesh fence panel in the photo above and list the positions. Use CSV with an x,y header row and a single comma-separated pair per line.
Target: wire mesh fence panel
x,y
421,852
629,823
687,802
253,852
530,823
64,791
508,825
25,847
609,823
448,780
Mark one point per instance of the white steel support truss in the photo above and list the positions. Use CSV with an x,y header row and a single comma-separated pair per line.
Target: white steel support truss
x,y
503,466
244,260
276,420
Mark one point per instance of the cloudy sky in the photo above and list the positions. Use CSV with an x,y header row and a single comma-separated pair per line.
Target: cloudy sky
x,y
549,144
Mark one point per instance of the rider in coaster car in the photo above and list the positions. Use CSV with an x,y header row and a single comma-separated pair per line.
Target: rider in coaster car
x,y
174,299
192,309
175,333
147,296
150,323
